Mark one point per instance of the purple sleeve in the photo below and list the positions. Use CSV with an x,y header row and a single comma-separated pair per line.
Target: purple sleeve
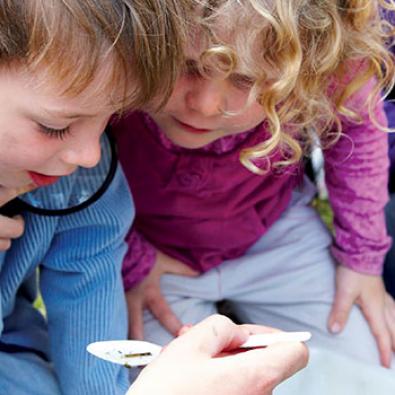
x,y
389,106
390,111
356,175
138,261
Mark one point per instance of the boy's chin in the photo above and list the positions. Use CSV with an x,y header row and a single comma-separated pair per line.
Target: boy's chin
x,y
14,181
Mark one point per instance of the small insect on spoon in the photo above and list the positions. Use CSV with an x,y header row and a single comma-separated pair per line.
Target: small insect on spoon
x,y
132,353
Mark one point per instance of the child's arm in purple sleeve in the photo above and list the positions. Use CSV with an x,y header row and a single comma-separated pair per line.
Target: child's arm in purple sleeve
x,y
357,176
139,259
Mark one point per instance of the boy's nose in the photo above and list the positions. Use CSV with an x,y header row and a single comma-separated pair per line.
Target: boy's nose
x,y
83,154
208,97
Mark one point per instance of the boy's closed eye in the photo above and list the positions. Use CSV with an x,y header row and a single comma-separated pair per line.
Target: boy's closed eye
x,y
54,132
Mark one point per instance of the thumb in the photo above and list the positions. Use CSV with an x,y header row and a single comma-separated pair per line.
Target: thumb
x,y
174,266
210,337
340,311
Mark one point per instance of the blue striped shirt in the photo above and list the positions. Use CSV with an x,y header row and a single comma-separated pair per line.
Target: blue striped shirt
x,y
80,257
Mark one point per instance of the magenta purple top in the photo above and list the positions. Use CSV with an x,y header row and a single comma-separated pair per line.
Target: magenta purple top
x,y
203,206
390,109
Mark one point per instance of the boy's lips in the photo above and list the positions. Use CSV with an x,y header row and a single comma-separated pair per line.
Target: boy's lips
x,y
42,180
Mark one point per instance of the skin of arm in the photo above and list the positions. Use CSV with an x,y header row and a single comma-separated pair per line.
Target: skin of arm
x,y
356,175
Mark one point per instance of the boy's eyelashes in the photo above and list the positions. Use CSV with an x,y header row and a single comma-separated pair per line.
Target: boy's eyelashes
x,y
54,133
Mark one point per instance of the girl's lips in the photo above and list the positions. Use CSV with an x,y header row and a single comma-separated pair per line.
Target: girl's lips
x,y
191,129
42,180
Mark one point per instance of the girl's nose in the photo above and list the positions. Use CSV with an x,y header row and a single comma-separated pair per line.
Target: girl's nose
x,y
208,97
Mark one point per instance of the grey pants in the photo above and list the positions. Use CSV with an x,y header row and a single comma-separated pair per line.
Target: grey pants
x,y
286,280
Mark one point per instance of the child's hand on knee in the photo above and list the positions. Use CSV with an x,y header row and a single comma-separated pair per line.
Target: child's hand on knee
x,y
147,294
368,292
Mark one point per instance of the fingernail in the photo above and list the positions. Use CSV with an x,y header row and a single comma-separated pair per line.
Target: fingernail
x,y
335,327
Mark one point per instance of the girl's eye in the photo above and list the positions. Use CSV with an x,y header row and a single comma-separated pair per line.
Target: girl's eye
x,y
55,133
241,81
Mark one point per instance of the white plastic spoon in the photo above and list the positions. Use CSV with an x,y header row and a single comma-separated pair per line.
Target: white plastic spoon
x,y
131,353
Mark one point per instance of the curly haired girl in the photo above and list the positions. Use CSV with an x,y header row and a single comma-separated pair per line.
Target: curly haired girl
x,y
217,176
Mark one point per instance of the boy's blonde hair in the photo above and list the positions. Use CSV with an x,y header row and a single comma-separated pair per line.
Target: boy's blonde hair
x,y
70,39
307,57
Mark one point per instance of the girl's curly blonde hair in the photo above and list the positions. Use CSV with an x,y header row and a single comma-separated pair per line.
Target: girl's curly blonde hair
x,y
307,57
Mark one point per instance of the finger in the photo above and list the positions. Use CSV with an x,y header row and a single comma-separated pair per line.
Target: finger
x,y
159,307
270,366
175,267
136,325
210,337
5,244
377,323
389,314
340,311
11,228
